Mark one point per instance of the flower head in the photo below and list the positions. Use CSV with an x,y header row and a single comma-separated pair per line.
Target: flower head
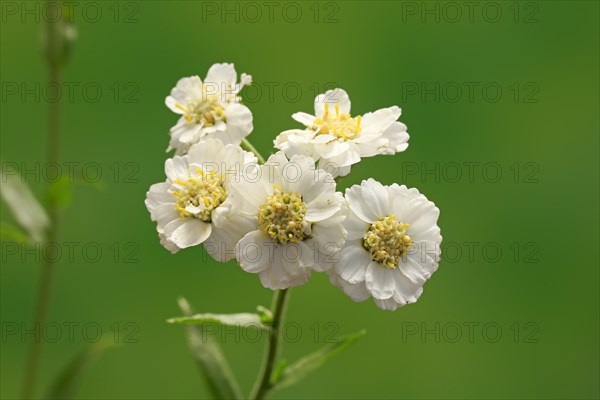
x,y
337,139
392,247
297,221
209,109
191,207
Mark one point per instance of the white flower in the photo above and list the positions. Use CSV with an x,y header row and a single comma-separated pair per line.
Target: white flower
x,y
392,247
209,109
191,207
297,221
337,140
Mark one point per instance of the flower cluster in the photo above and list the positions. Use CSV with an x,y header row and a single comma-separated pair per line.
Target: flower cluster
x,y
284,219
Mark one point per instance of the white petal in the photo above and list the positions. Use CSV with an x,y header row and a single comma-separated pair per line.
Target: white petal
x,y
323,207
373,147
342,171
358,205
176,168
397,137
164,214
307,255
167,244
324,138
427,248
423,222
191,133
207,154
345,159
328,243
254,252
388,304
376,196
301,176
239,122
337,220
330,149
245,80
304,118
405,290
158,195
186,90
187,232
380,281
353,263
219,74
357,292
355,226
332,98
417,268
290,256
377,122
274,278
227,233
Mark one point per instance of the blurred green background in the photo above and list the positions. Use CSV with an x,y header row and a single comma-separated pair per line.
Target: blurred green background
x,y
532,117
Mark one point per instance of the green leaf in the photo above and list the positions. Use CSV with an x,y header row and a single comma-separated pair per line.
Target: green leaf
x,y
67,383
24,206
210,360
278,372
266,315
285,376
11,233
239,320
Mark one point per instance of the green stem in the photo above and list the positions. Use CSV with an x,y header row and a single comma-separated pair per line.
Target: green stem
x,y
53,156
246,145
263,384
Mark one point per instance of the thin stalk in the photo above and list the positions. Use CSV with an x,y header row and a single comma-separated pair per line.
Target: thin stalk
x,y
246,145
45,284
263,383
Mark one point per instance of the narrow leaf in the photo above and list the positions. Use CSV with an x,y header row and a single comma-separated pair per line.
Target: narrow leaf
x,y
24,206
11,233
266,315
290,375
67,383
239,320
210,360
278,372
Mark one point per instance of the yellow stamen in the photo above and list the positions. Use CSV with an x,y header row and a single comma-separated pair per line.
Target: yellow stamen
x,y
342,125
387,241
282,217
205,190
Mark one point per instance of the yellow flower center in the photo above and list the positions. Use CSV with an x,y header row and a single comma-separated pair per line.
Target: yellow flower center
x,y
342,126
387,241
200,195
207,111
282,217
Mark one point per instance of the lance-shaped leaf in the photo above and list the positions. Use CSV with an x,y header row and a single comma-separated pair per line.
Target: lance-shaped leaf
x,y
67,383
288,375
24,206
241,320
210,360
11,233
